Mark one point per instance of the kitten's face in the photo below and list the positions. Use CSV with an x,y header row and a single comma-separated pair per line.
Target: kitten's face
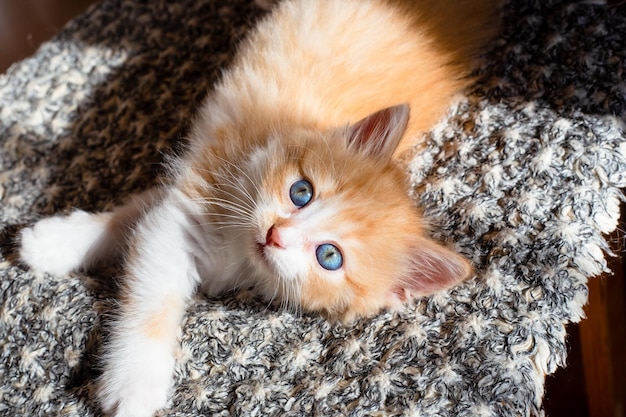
x,y
333,229
322,225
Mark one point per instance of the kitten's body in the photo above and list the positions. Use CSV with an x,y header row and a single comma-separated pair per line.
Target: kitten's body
x,y
301,102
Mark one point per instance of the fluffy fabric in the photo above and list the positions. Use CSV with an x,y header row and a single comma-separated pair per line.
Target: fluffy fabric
x,y
523,176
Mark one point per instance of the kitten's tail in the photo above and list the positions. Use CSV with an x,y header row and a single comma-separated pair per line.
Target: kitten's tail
x,y
62,244
459,27
455,35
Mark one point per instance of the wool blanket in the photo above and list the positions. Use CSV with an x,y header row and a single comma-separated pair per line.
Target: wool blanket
x,y
522,176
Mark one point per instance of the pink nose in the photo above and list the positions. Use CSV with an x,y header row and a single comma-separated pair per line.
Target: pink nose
x,y
273,238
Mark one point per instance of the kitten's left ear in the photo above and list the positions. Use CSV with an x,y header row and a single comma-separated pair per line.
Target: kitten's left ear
x,y
379,133
433,268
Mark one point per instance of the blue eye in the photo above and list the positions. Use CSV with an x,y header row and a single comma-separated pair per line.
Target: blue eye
x,y
329,256
301,193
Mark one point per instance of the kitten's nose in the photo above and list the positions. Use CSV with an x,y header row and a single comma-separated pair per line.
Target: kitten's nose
x,y
273,238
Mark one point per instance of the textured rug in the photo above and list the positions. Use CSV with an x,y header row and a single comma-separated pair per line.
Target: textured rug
x,y
523,177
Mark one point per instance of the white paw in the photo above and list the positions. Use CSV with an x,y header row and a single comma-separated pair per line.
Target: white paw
x,y
136,388
58,245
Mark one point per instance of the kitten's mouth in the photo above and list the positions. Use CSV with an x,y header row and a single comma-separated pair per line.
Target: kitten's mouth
x,y
260,249
273,240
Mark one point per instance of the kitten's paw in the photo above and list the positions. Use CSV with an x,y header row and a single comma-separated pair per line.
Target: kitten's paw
x,y
58,245
132,391
134,407
135,399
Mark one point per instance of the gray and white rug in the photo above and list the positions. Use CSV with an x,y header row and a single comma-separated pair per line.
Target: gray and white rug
x,y
523,176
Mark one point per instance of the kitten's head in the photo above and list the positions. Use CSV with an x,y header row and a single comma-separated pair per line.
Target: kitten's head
x,y
334,229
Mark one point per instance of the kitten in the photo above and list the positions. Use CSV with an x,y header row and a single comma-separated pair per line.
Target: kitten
x,y
290,184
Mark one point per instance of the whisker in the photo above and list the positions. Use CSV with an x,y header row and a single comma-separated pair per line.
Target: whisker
x,y
241,187
241,171
231,227
239,281
228,205
286,295
230,182
271,298
229,224
241,203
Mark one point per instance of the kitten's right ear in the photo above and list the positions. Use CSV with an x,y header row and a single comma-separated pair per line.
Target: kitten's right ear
x,y
379,133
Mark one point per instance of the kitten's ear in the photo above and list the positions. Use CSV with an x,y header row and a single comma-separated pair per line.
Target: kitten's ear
x,y
433,268
379,133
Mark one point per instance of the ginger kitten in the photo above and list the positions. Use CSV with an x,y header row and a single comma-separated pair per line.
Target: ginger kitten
x,y
289,184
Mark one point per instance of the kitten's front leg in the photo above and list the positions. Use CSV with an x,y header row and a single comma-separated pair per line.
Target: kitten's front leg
x,y
139,358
